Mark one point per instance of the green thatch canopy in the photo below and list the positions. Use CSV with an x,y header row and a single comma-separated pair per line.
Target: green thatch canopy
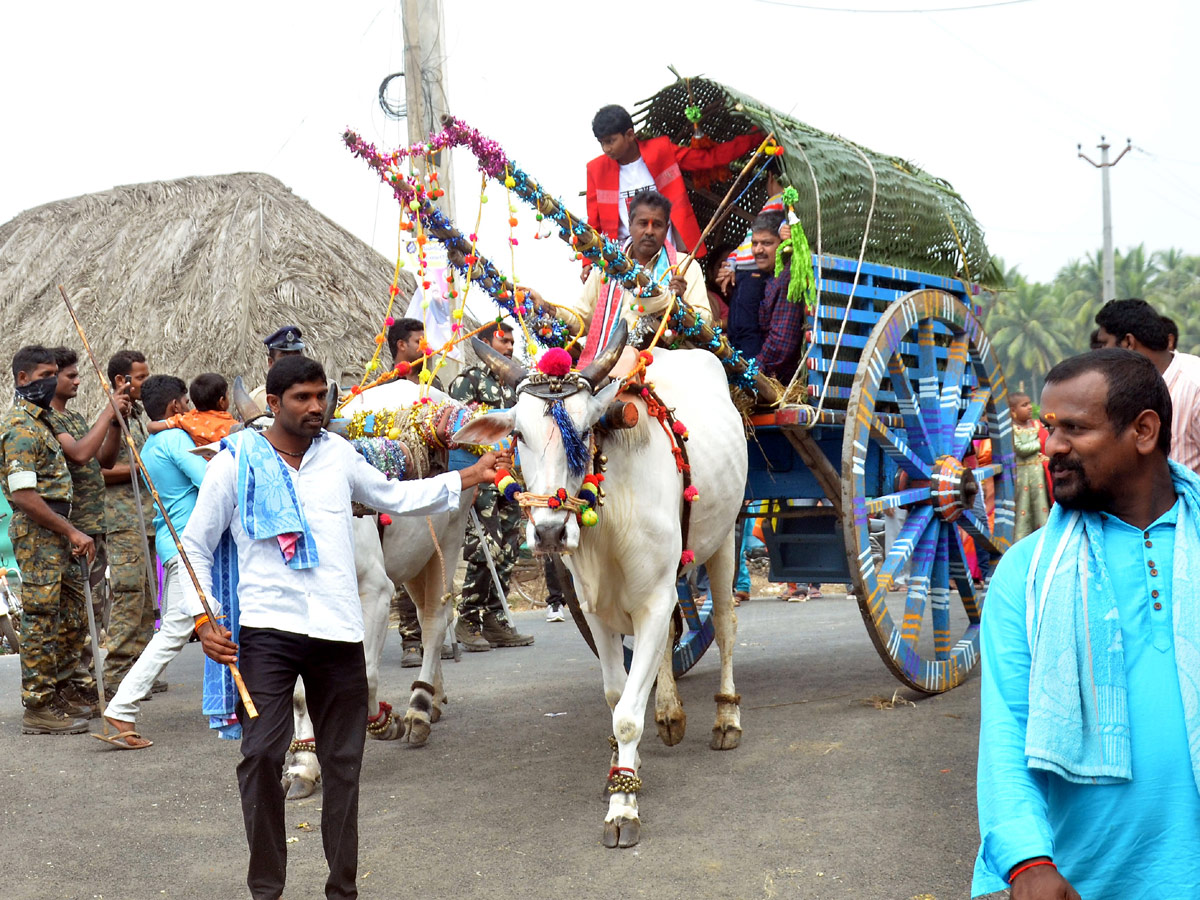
x,y
918,221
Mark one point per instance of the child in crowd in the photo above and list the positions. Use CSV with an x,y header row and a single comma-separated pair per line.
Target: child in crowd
x,y
1033,498
209,420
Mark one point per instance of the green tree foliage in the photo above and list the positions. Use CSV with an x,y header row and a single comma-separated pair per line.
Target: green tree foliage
x,y
1034,325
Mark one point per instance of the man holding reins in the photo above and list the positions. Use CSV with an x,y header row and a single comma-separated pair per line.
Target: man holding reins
x,y
285,495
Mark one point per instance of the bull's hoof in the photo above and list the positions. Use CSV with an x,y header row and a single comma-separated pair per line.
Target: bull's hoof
x,y
300,787
622,832
725,736
671,725
416,728
390,730
436,714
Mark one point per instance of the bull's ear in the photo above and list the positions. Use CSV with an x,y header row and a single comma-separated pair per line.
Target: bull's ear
x,y
491,428
599,402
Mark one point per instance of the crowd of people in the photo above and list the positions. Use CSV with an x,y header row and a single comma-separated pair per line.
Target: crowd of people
x,y
1088,770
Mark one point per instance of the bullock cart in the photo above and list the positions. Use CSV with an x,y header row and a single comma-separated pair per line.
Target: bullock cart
x,y
898,388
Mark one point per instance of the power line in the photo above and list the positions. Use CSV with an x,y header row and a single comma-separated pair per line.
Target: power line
x,y
938,9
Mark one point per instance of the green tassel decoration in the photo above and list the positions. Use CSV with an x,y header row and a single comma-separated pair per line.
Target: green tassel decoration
x,y
801,285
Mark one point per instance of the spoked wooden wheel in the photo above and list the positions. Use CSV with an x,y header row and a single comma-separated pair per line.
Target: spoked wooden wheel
x,y
928,385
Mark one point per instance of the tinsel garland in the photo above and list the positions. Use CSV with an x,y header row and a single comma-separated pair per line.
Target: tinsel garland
x,y
588,242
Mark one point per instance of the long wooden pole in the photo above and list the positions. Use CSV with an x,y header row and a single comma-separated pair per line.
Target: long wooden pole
x,y
719,213
251,711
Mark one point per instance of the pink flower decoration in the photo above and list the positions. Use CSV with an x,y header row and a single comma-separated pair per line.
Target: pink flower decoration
x,y
555,362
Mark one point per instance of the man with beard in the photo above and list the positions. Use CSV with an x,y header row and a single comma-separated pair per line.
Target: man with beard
x,y
1089,744
1135,325
284,495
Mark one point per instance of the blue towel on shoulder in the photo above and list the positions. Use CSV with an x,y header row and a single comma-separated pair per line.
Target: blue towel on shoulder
x,y
1078,724
220,696
267,499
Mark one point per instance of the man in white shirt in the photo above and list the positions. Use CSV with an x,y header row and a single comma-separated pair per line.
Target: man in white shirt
x,y
285,497
1135,325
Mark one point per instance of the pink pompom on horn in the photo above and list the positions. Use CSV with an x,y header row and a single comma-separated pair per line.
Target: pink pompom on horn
x,y
679,428
385,520
690,493
687,558
555,362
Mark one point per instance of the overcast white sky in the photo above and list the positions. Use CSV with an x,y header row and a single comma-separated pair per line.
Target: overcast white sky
x,y
993,100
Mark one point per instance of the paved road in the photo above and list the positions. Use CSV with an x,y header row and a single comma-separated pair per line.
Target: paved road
x,y
828,796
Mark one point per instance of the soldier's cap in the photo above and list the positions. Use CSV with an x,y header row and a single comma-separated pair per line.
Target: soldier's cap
x,y
286,338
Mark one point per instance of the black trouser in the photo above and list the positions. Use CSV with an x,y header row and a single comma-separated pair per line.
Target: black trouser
x,y
335,684
554,591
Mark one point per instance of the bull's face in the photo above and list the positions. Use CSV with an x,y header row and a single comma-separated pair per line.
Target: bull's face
x,y
552,422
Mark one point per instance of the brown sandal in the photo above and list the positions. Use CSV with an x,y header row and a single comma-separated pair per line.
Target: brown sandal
x,y
120,740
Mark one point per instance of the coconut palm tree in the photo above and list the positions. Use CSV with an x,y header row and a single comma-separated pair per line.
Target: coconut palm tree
x,y
1030,330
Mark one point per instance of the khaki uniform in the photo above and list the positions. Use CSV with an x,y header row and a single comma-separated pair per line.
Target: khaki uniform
x,y
131,621
88,514
32,458
500,519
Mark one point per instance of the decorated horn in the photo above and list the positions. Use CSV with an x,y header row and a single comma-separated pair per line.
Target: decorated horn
x,y
509,372
597,370
244,408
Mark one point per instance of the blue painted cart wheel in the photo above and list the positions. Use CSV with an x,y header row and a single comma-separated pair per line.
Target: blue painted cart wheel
x,y
928,384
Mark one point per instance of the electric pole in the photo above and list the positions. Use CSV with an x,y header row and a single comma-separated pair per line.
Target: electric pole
x,y
1110,280
425,84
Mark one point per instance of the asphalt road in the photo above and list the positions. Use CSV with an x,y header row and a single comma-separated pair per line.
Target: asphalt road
x,y
828,796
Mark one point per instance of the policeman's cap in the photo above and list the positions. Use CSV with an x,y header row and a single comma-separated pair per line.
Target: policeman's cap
x,y
286,339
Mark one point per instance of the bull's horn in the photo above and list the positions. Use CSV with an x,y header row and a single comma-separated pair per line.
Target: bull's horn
x,y
244,408
331,402
509,372
597,370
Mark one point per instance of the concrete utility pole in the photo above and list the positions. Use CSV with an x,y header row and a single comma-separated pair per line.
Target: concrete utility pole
x,y
1110,280
425,83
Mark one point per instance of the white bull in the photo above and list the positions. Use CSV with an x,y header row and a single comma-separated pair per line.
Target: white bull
x,y
420,553
625,568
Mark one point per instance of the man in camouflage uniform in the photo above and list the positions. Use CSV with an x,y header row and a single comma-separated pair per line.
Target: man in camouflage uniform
x,y
131,621
37,484
481,622
87,450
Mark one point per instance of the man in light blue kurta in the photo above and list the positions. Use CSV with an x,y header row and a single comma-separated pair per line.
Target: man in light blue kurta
x,y
177,474
1089,743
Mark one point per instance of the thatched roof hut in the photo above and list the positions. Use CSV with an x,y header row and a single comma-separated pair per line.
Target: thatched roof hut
x,y
193,273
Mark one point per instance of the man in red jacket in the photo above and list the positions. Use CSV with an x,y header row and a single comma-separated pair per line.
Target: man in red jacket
x,y
629,166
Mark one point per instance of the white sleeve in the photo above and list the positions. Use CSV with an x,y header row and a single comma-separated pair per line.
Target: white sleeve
x,y
214,510
372,488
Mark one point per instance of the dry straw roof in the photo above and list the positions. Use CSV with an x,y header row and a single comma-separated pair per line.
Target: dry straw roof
x,y
193,273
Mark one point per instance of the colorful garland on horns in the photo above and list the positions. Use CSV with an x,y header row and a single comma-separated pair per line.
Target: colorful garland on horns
x,y
462,253
588,243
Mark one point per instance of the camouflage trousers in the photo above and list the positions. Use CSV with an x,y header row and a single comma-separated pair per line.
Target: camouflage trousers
x,y
502,522
53,623
100,605
131,621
